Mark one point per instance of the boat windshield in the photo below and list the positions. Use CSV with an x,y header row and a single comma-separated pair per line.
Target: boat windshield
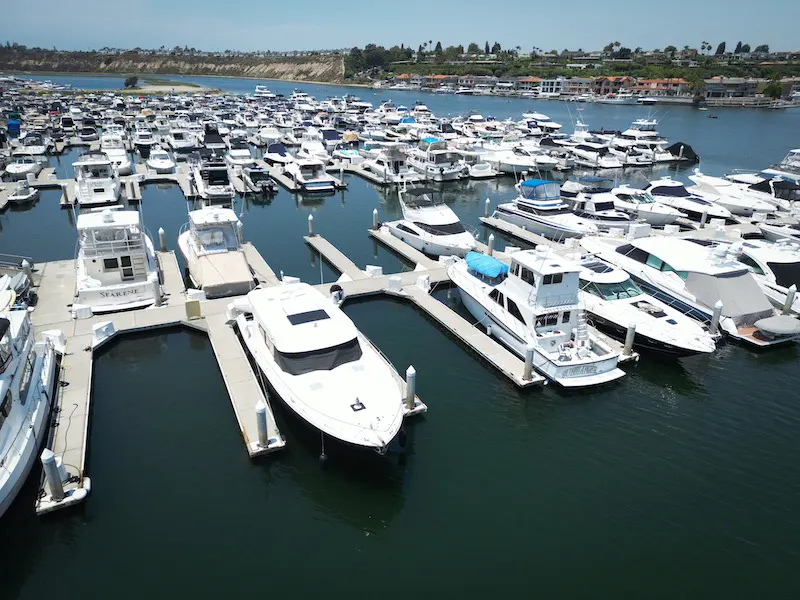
x,y
786,274
612,291
446,229
598,206
643,198
324,359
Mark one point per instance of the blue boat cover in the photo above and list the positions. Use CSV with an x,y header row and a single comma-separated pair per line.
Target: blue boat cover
x,y
535,182
408,120
430,140
486,265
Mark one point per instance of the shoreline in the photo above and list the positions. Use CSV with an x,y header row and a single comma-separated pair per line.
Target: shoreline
x,y
143,75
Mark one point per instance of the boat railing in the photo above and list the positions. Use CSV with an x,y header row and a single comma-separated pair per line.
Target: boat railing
x,y
96,248
13,261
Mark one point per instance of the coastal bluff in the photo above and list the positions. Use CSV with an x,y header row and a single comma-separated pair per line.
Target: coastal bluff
x,y
319,68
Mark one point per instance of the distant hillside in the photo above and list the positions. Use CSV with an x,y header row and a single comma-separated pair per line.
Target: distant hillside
x,y
329,69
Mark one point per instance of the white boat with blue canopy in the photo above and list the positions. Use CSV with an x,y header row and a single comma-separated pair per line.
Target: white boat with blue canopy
x,y
540,209
535,304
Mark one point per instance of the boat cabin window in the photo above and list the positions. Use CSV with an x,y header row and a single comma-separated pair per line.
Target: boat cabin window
x,y
677,191
751,264
632,252
565,317
514,310
5,408
5,346
324,359
308,317
612,291
497,296
553,278
550,320
110,264
27,374
446,229
786,274
402,227
603,206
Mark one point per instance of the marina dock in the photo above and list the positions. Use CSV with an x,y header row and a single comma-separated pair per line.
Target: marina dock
x,y
55,286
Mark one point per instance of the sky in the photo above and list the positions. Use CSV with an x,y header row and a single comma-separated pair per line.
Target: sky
x,y
313,24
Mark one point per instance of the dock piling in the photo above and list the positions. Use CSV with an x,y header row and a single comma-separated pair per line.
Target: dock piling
x,y
162,239
374,218
311,225
157,291
51,474
261,422
704,219
486,207
630,334
490,249
715,317
411,386
26,268
787,305
528,372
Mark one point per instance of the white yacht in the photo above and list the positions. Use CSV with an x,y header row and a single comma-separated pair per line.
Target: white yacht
x,y
596,156
391,166
238,155
180,142
114,147
116,264
600,210
674,193
775,266
160,161
269,135
312,147
642,206
32,144
679,273
22,166
27,373
433,160
212,181
615,302
143,137
96,180
540,209
256,179
310,176
276,154
780,231
212,246
517,160
321,366
430,225
780,192
536,304
264,93
788,168
728,194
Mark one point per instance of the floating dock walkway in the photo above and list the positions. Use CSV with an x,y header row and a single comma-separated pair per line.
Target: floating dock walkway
x,y
55,287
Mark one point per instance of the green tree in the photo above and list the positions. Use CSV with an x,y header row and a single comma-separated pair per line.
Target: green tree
x,y
671,50
496,49
473,48
773,89
130,82
624,52
720,49
745,48
486,48
738,49
438,47
762,48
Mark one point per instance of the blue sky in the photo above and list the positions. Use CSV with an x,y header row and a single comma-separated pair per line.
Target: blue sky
x,y
314,24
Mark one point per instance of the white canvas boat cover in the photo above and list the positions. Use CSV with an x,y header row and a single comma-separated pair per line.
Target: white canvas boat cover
x,y
742,299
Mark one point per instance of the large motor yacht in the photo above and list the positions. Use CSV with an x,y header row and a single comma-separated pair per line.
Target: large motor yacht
x,y
391,166
27,372
114,147
540,209
116,264
433,160
429,225
212,181
212,246
321,366
96,180
536,304
615,302
310,176
730,195
679,273
788,168
674,193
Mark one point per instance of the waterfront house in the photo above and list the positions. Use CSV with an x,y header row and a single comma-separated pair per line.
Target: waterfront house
x,y
612,84
526,84
554,85
731,87
577,86
673,86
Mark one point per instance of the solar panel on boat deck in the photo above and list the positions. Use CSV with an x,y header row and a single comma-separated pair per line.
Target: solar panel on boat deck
x,y
307,317
598,267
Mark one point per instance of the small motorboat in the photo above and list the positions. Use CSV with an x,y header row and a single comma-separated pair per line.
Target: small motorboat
x,y
256,179
23,193
160,161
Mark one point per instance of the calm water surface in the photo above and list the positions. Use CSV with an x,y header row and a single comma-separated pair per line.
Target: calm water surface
x,y
681,481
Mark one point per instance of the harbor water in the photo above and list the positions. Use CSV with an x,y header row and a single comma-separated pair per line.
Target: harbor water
x,y
681,481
